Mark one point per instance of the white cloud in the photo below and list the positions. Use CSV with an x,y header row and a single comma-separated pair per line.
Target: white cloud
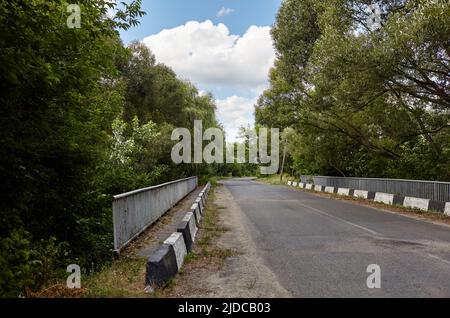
x,y
234,112
212,58
224,11
208,54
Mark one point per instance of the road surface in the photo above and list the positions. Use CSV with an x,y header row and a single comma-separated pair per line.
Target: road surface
x,y
319,247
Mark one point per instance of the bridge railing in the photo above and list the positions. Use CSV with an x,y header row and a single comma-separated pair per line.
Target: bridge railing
x,y
134,211
433,190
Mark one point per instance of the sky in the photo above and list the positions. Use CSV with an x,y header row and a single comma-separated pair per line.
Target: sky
x,y
222,46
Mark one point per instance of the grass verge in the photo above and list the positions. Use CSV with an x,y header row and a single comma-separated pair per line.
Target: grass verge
x,y
206,255
275,179
124,278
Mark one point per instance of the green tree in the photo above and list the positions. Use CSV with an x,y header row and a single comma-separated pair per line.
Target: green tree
x,y
365,102
60,92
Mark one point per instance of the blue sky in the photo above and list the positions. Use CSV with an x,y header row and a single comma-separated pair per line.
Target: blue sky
x,y
166,14
222,46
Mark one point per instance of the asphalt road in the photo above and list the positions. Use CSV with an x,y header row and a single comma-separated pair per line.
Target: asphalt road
x,y
319,247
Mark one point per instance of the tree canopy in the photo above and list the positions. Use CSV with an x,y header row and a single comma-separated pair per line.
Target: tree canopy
x,y
364,101
82,118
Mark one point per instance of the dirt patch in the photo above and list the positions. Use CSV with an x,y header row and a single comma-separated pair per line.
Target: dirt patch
x,y
57,290
225,262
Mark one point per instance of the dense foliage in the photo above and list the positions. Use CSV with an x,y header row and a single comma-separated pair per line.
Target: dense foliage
x,y
82,118
362,100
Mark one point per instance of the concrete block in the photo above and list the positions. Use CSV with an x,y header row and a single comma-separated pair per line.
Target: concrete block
x,y
361,194
289,183
203,197
188,228
371,195
200,204
190,218
436,206
317,188
176,240
386,198
184,228
329,189
398,199
294,184
417,203
447,208
161,266
343,191
309,186
196,210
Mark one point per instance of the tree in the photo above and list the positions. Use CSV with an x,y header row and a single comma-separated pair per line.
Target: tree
x,y
362,99
60,93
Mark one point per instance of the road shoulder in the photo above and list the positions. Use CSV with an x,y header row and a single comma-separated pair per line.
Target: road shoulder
x,y
241,274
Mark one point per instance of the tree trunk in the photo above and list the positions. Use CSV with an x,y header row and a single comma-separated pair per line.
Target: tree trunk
x,y
282,163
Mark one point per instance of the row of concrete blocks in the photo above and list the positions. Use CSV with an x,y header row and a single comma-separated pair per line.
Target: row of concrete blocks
x,y
169,257
387,198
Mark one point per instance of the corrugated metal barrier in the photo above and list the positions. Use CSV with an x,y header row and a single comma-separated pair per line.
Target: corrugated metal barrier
x,y
134,211
433,190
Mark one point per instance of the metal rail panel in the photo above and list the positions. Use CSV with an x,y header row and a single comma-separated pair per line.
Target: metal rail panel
x,y
134,211
433,190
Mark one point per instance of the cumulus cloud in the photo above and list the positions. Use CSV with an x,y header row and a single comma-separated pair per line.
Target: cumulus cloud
x,y
234,112
212,58
224,11
208,54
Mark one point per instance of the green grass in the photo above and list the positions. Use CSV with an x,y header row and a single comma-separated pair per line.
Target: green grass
x,y
124,278
274,179
205,255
